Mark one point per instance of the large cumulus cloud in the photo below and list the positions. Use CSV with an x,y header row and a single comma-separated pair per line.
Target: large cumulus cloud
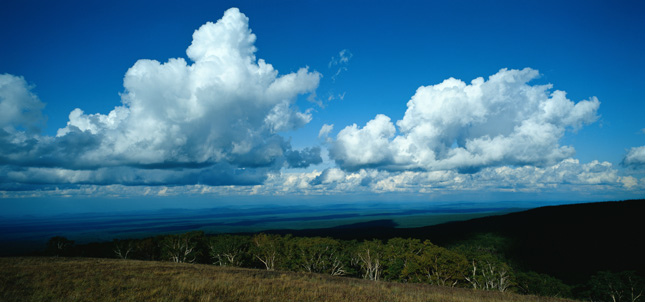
x,y
466,127
214,121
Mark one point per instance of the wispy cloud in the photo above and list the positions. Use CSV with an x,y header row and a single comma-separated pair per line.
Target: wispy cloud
x,y
340,63
325,130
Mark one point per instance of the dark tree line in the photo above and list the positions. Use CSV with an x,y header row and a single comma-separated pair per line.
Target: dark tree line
x,y
475,264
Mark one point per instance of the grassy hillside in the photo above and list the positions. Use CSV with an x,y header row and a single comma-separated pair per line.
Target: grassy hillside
x,y
570,242
86,279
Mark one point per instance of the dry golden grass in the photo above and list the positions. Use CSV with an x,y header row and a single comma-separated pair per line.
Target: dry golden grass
x,y
83,279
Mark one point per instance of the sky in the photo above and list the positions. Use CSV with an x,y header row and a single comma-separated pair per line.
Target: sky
x,y
149,104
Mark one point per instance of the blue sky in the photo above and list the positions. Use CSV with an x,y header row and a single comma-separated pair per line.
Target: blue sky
x,y
395,80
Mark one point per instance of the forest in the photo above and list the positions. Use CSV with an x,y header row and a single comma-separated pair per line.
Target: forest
x,y
476,263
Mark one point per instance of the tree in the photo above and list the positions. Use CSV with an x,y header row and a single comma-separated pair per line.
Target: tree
x,y
441,266
400,259
228,250
59,246
148,248
370,256
181,248
486,272
123,248
486,267
268,249
532,283
616,287
318,255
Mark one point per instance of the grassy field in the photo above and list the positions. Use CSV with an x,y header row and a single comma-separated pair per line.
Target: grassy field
x,y
86,279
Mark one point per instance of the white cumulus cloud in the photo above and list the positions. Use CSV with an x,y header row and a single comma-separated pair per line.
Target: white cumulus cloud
x,y
569,174
217,117
453,125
